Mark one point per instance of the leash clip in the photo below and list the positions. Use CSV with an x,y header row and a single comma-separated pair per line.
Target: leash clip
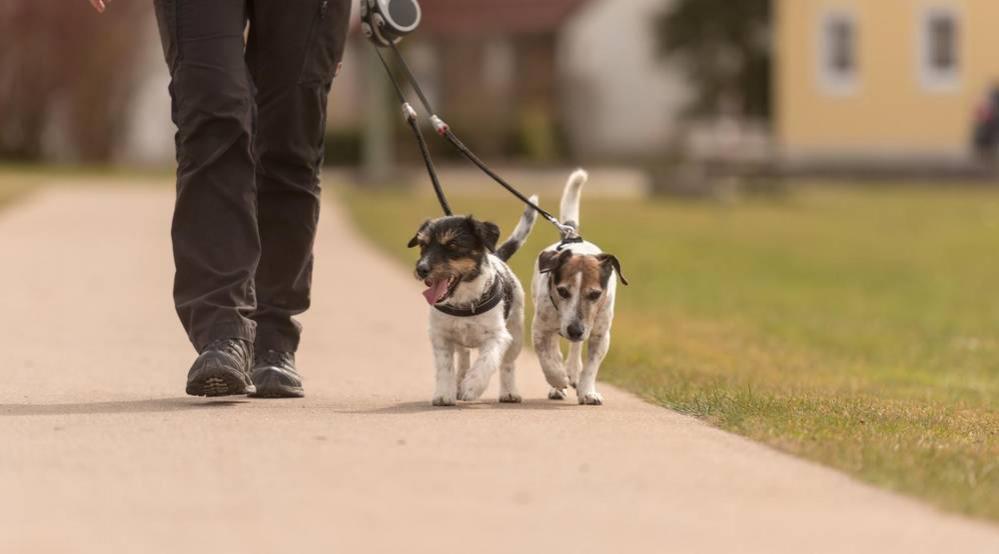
x,y
569,235
408,113
439,125
568,232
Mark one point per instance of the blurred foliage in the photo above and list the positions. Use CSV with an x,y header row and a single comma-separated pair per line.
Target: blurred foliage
x,y
725,49
66,69
536,138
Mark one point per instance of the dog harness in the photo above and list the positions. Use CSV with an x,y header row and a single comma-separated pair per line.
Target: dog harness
x,y
500,291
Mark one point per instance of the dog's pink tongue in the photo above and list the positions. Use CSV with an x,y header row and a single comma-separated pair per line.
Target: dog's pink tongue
x,y
436,291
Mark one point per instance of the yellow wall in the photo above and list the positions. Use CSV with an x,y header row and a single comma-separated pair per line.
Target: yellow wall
x,y
890,112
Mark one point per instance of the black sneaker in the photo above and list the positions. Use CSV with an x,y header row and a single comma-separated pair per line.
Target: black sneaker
x,y
274,375
222,369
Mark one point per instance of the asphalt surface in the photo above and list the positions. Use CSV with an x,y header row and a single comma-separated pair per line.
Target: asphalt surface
x,y
101,452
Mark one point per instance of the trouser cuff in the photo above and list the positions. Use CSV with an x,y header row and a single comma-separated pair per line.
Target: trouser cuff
x,y
245,330
270,339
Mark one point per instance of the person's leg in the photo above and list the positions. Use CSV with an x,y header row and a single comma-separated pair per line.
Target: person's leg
x,y
293,51
215,238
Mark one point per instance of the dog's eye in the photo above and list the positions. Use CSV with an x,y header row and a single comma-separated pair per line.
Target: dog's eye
x,y
564,292
595,295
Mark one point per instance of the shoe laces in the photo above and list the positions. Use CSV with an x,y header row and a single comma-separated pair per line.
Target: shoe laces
x,y
276,358
237,348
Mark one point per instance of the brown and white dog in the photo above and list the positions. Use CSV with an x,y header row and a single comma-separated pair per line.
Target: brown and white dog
x,y
574,288
476,302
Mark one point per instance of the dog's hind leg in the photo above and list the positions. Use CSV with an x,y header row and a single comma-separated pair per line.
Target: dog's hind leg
x,y
464,362
550,357
446,386
596,350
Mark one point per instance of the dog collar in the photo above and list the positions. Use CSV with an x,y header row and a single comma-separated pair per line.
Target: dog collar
x,y
567,241
500,291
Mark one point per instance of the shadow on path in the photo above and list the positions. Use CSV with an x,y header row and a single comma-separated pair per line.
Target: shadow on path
x,y
150,405
424,406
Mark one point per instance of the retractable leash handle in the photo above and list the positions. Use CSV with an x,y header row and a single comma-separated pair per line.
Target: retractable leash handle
x,y
385,22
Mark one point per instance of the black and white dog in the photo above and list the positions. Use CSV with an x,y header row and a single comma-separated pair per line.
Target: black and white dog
x,y
477,302
574,290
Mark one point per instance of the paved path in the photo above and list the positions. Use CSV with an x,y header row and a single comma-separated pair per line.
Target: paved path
x,y
101,453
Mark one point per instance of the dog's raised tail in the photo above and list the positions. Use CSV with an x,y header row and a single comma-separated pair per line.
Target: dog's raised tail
x,y
569,209
520,234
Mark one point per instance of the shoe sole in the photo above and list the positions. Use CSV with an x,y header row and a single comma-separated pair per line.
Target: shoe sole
x,y
271,386
218,381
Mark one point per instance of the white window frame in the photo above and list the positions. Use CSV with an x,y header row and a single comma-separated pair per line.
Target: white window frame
x,y
831,81
932,78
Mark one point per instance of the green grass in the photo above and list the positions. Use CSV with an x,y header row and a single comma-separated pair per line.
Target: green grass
x,y
855,327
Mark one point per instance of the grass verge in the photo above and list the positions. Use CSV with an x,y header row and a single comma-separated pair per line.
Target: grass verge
x,y
18,180
855,327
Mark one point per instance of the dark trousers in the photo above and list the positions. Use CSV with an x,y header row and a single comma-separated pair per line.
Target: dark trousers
x,y
250,116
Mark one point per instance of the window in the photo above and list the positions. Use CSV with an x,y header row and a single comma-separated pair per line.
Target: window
x,y
939,49
838,60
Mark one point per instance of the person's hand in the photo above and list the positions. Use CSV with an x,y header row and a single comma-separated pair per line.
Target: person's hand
x,y
100,5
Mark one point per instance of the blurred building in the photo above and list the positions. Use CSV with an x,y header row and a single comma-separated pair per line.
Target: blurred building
x,y
618,99
526,79
882,81
535,79
491,66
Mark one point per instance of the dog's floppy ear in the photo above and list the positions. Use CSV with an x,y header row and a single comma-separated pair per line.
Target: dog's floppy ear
x,y
416,238
551,260
608,263
487,232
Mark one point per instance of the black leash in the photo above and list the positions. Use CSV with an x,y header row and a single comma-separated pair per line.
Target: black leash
x,y
568,233
410,115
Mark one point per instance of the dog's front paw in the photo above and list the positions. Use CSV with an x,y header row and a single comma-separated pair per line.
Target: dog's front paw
x,y
472,389
510,398
443,400
556,394
591,399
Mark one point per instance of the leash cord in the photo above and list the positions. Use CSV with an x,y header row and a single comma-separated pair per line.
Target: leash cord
x,y
410,114
568,234
428,161
453,139
412,78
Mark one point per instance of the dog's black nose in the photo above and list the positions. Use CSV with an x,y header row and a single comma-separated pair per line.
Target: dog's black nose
x,y
575,331
423,270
